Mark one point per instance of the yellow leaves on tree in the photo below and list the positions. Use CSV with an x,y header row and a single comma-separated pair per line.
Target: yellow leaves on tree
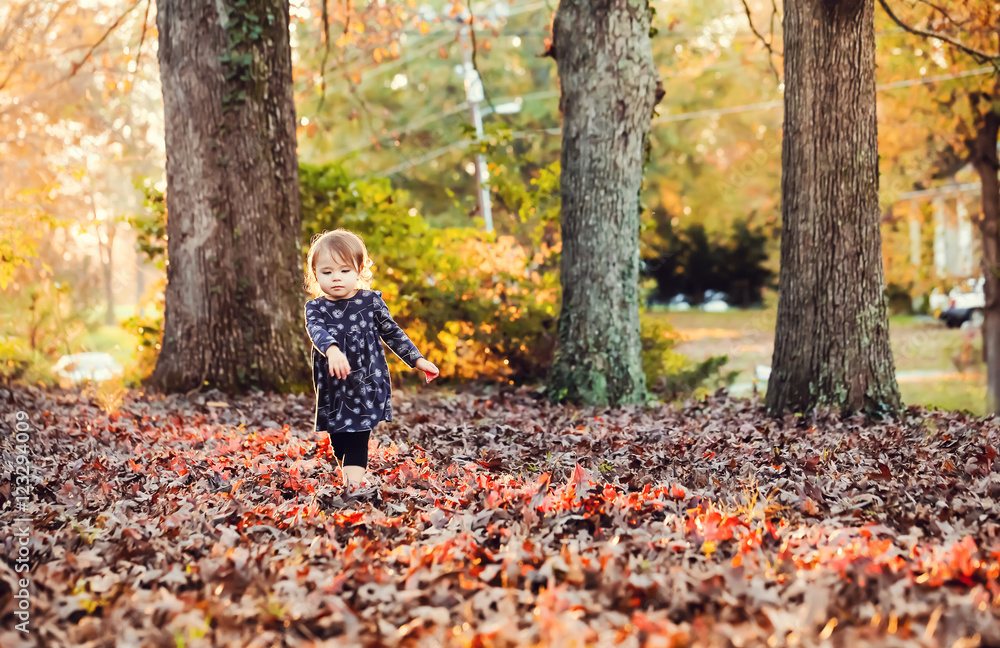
x,y
58,57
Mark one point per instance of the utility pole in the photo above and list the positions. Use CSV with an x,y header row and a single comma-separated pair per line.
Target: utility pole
x,y
473,96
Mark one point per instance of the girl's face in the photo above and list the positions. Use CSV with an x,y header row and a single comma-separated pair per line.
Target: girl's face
x,y
337,278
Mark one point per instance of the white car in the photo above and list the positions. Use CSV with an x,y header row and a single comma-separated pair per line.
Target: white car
x,y
965,305
938,301
678,303
715,302
974,297
92,365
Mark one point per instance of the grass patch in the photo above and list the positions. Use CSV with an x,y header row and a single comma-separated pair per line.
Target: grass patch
x,y
964,395
114,340
919,343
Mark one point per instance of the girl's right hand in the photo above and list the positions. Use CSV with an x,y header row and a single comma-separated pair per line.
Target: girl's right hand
x,y
339,364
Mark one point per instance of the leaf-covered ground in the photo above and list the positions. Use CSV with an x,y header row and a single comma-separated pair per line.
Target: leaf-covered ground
x,y
503,521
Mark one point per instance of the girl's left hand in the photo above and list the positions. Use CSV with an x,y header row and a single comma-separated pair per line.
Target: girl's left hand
x,y
428,367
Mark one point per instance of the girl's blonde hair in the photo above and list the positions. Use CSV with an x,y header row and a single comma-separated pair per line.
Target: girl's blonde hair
x,y
340,244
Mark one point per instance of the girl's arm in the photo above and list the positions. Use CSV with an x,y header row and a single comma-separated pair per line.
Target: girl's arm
x,y
394,336
321,338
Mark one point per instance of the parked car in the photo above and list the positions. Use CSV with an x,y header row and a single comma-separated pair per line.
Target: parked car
x,y
678,303
964,305
938,301
90,365
715,302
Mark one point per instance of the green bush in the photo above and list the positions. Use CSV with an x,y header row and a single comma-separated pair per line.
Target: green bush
x,y
148,329
689,261
671,375
42,322
15,359
481,307
150,226
898,299
475,304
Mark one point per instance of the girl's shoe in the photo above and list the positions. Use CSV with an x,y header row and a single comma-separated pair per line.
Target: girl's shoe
x,y
368,489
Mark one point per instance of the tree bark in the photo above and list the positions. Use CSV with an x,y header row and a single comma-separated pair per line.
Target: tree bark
x,y
608,91
985,161
233,314
832,332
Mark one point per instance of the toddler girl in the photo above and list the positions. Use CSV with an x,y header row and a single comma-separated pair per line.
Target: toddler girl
x,y
347,323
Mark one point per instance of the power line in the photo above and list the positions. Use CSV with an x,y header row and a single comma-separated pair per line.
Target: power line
x,y
717,112
934,79
395,63
687,116
417,124
689,34
767,105
436,153
447,35
968,187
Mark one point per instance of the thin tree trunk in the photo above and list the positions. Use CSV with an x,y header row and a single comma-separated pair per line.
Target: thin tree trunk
x,y
234,274
106,245
107,263
140,286
608,91
832,334
34,322
985,161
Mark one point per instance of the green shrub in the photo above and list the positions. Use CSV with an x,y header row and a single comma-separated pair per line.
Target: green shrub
x,y
150,226
898,299
15,359
690,261
671,375
481,307
148,329
40,323
475,304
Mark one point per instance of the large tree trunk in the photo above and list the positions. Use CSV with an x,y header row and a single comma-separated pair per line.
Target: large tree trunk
x,y
233,314
608,90
985,161
832,334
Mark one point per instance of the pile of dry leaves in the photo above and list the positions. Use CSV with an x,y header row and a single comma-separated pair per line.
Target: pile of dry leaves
x,y
501,520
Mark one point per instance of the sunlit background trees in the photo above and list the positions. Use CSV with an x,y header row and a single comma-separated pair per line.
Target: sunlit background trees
x,y
387,145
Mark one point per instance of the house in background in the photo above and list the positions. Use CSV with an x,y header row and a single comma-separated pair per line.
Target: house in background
x,y
936,240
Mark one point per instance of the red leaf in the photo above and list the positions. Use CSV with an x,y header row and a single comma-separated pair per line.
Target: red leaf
x,y
883,473
580,479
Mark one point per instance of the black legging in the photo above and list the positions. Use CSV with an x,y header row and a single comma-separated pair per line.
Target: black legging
x,y
351,448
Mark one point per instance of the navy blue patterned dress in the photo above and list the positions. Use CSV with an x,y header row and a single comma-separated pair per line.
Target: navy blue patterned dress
x,y
357,325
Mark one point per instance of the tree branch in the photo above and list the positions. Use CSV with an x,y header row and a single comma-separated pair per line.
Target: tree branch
x,y
13,24
949,163
774,14
142,39
20,59
770,52
941,10
325,37
979,55
79,64
475,66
